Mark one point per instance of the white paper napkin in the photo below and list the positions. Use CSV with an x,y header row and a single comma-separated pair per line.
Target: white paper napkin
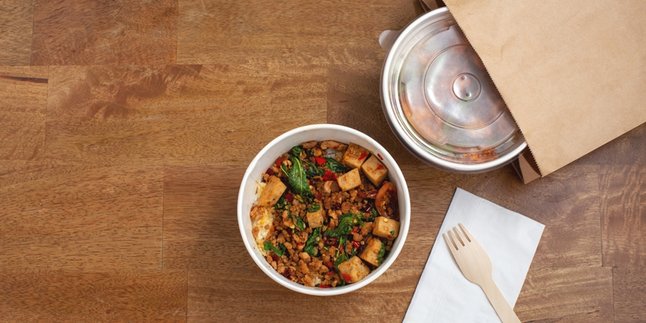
x,y
510,239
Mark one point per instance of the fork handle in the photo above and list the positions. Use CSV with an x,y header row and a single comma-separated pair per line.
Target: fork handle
x,y
504,311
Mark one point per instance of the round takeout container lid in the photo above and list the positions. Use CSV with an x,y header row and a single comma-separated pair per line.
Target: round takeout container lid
x,y
443,99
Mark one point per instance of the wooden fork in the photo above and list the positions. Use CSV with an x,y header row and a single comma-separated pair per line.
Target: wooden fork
x,y
476,267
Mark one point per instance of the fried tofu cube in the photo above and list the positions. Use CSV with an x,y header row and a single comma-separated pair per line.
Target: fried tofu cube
x,y
374,170
262,222
353,270
315,219
331,144
309,144
349,180
354,156
272,192
330,186
385,228
371,253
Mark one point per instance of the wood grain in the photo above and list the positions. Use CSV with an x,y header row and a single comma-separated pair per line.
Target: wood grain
x,y
79,217
568,294
569,209
286,33
624,236
16,18
68,32
104,296
121,158
629,292
624,215
212,293
360,107
176,113
23,91
628,149
202,238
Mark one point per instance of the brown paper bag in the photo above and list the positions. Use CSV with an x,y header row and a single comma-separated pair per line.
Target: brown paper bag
x,y
573,73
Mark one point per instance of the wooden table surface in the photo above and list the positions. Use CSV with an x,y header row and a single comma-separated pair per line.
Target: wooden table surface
x,y
126,126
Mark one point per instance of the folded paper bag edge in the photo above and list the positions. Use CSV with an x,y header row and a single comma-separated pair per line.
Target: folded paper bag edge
x,y
526,167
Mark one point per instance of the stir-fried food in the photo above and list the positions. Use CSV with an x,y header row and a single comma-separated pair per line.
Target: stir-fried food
x,y
326,215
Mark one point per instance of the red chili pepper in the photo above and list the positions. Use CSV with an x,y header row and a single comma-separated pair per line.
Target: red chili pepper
x,y
347,278
279,161
329,265
355,244
289,197
270,171
363,155
380,166
319,161
330,273
329,175
324,286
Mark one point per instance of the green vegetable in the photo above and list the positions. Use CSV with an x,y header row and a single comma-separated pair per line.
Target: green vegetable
x,y
296,151
392,233
346,222
281,204
381,254
270,247
300,224
334,165
311,243
373,215
312,170
296,177
313,208
305,199
341,258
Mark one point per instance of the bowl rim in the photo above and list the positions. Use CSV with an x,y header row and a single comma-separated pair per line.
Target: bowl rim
x,y
405,213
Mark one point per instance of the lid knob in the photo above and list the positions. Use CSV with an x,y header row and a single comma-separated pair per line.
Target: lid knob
x,y
466,87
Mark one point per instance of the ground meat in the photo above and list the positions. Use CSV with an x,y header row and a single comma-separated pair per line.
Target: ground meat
x,y
307,255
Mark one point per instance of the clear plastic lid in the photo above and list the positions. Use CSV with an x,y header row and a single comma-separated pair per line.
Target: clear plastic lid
x,y
447,97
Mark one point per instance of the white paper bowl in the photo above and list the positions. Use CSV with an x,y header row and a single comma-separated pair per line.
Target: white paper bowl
x,y
283,143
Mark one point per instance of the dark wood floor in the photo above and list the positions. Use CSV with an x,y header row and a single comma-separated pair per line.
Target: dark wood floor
x,y
125,129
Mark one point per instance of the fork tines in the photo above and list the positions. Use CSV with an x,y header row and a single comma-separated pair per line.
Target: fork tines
x,y
458,237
